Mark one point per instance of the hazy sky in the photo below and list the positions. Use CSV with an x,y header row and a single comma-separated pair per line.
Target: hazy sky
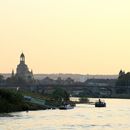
x,y
66,36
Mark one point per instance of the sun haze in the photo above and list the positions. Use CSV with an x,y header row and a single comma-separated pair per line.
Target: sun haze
x,y
65,36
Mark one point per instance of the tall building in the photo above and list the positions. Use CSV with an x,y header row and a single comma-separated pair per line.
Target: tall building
x,y
22,70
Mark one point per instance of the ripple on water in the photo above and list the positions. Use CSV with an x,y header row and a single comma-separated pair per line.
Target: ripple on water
x,y
86,126
81,118
6,115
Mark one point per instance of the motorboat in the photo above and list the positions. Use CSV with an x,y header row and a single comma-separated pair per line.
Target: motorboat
x,y
100,103
66,107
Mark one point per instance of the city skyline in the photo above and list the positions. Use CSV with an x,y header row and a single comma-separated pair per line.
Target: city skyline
x,y
72,36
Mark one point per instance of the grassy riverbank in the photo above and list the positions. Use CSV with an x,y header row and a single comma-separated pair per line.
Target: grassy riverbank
x,y
13,101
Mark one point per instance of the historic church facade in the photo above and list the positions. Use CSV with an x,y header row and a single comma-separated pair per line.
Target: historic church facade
x,y
22,70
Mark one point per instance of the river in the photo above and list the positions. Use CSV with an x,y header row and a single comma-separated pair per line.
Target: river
x,y
116,116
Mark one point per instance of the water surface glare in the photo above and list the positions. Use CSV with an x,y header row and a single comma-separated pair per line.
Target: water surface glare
x,y
116,116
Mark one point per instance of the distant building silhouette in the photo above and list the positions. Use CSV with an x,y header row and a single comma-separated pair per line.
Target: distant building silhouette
x,y
121,73
22,70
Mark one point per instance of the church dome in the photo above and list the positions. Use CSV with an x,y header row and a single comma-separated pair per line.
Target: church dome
x,y
22,69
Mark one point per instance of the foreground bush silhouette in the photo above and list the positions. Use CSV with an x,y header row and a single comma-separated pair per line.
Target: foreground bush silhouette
x,y
11,101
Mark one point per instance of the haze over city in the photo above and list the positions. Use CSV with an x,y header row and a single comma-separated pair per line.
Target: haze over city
x,y
64,64
69,36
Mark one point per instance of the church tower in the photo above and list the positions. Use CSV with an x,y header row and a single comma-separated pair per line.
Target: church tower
x,y
22,70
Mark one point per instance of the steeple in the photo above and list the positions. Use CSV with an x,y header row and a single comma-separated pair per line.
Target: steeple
x,y
12,73
22,58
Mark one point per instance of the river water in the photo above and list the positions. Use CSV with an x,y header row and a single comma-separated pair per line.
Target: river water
x,y
116,116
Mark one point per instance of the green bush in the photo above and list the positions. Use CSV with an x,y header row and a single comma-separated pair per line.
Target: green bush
x,y
60,95
11,101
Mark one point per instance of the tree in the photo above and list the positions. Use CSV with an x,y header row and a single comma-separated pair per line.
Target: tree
x,y
60,95
123,79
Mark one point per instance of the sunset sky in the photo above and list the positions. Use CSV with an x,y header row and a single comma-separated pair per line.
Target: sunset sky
x,y
65,36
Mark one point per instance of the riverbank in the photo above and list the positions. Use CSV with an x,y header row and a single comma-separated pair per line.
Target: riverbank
x,y
15,101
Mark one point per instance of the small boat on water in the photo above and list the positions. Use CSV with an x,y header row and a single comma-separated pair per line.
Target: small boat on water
x,y
100,103
66,107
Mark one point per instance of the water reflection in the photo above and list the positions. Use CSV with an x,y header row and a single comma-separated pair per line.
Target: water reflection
x,y
115,116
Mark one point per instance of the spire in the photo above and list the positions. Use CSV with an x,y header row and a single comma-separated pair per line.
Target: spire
x,y
12,73
22,55
22,58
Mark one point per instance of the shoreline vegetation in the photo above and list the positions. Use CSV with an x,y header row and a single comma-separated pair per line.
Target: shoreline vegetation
x,y
16,101
11,101
20,100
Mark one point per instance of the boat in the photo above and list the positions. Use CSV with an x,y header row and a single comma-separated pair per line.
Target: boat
x,y
100,103
66,107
